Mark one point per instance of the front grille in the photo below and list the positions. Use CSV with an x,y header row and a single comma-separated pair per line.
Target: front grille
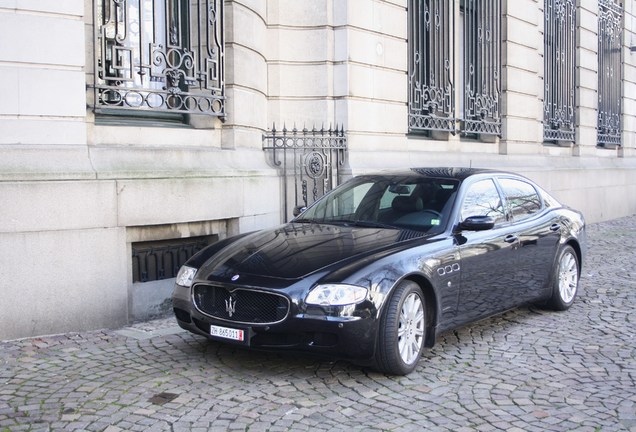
x,y
240,305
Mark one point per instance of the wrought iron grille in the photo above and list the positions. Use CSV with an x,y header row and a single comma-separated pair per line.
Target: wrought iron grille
x,y
431,104
160,55
559,70
610,31
481,69
309,160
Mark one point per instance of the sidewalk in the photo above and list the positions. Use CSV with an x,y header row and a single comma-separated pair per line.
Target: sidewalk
x,y
526,370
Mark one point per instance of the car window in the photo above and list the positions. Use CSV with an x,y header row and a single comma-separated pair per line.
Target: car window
x,y
522,198
482,199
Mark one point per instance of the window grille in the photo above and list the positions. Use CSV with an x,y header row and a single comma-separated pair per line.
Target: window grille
x,y
610,28
559,70
481,67
159,56
431,104
161,259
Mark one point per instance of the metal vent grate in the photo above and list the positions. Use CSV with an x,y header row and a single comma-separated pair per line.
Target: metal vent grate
x,y
157,260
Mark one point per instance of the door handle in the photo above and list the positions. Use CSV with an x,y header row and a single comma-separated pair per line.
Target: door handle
x,y
511,238
555,227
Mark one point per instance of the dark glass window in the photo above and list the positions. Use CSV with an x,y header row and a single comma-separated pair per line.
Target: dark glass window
x,y
521,197
482,199
559,70
610,35
159,56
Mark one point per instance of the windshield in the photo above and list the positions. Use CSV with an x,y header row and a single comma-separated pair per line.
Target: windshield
x,y
416,203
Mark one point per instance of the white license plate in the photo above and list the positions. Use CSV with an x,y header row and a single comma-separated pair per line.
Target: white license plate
x,y
227,333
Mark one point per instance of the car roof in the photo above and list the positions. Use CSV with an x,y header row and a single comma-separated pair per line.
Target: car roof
x,y
454,173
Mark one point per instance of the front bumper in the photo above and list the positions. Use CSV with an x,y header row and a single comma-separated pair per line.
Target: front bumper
x,y
348,337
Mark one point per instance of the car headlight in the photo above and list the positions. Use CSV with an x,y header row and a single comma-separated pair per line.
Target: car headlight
x,y
186,276
336,295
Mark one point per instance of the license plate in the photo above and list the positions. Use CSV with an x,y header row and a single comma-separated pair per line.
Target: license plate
x,y
227,333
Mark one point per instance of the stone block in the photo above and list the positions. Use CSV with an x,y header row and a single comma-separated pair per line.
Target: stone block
x,y
42,39
300,80
22,162
377,83
522,32
52,92
10,91
299,13
378,17
301,44
523,82
161,201
521,105
66,7
244,26
246,107
56,205
522,57
374,49
60,281
521,129
376,116
525,10
37,131
246,68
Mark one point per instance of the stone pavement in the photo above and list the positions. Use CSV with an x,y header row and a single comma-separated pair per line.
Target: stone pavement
x,y
525,370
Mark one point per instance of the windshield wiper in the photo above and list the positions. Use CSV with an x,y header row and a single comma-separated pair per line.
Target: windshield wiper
x,y
364,223
308,220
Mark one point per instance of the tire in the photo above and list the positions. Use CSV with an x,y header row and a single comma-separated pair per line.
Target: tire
x,y
565,279
402,330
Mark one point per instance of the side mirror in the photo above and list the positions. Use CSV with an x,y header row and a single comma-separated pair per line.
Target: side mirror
x,y
477,223
299,209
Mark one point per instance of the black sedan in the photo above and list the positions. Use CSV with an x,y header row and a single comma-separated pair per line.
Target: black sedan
x,y
378,267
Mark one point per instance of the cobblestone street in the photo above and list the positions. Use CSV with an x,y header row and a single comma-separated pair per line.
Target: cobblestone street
x,y
526,370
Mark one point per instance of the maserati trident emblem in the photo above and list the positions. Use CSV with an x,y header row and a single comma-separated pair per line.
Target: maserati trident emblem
x,y
230,306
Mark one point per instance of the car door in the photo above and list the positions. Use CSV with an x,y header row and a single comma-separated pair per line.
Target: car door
x,y
487,258
538,231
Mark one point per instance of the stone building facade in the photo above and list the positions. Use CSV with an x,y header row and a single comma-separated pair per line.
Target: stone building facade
x,y
133,132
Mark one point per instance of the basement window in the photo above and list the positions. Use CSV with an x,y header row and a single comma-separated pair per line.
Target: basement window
x,y
161,259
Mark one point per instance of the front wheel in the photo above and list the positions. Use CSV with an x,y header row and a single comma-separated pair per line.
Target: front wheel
x,y
565,279
402,330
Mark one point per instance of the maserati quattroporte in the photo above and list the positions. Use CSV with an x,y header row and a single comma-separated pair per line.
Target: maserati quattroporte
x,y
378,267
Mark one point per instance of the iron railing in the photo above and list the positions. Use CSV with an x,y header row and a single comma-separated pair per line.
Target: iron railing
x,y
610,32
559,70
160,55
309,161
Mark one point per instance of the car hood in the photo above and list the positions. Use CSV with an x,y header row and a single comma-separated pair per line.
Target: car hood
x,y
296,250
